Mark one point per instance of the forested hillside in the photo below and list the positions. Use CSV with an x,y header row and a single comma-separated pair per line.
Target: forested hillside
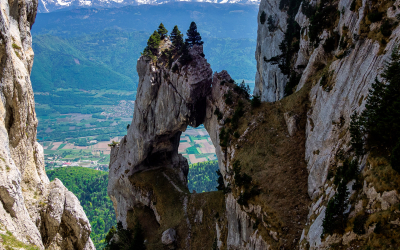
x,y
90,186
202,177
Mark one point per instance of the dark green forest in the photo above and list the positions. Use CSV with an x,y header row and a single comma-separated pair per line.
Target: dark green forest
x,y
202,176
90,186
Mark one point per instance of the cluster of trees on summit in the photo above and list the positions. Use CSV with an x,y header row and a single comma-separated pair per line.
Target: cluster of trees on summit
x,y
179,46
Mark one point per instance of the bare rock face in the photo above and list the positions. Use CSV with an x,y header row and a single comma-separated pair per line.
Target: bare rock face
x,y
24,185
167,101
291,123
63,215
168,236
270,82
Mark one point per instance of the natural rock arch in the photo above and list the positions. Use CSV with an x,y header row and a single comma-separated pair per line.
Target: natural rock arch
x,y
148,178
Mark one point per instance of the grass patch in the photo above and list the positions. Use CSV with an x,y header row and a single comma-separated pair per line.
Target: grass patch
x,y
15,46
275,161
9,241
381,174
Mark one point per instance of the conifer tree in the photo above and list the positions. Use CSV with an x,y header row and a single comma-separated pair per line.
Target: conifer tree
x,y
176,38
153,42
185,57
193,36
335,219
221,185
162,31
381,118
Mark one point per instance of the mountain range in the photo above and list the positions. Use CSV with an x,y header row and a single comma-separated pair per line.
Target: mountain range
x,y
46,6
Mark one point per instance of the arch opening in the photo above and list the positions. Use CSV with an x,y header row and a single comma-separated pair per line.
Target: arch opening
x,y
196,146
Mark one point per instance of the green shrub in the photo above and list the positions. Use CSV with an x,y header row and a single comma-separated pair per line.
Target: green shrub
x,y
185,57
221,185
243,90
321,19
236,134
293,81
307,9
218,114
386,28
237,115
378,228
375,16
359,224
127,239
349,171
395,158
263,17
222,82
241,179
271,24
246,195
255,101
353,6
342,43
228,98
224,138
15,46
175,69
329,44
256,223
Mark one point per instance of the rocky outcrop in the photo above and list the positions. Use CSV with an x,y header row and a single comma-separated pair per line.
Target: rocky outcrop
x,y
29,210
340,83
279,166
181,97
269,81
167,101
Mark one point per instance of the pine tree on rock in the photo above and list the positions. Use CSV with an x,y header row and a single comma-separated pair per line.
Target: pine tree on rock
x,y
176,38
193,36
162,31
153,43
185,57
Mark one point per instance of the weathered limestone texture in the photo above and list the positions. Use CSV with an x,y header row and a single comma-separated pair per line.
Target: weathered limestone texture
x,y
270,82
166,103
25,191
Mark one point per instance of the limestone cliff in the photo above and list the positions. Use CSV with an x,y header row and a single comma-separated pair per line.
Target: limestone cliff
x,y
269,81
278,160
147,178
33,210
339,81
